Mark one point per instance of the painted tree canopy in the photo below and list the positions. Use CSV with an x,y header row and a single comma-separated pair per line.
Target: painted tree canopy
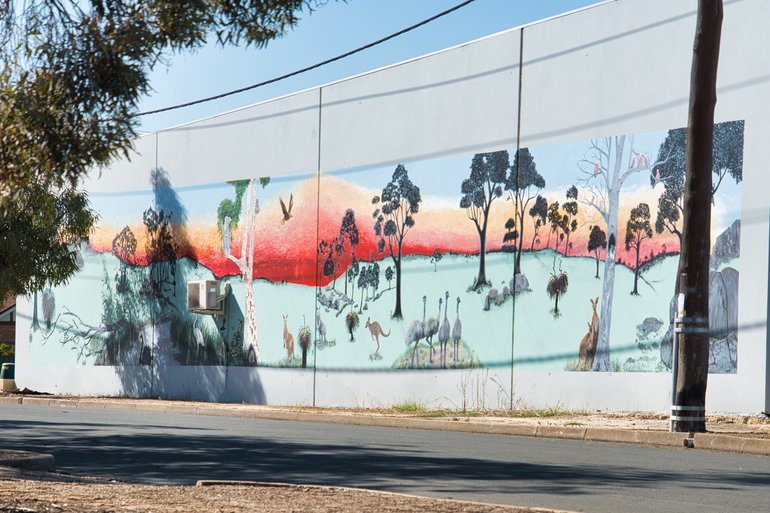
x,y
523,183
597,240
670,172
637,230
400,201
479,191
539,213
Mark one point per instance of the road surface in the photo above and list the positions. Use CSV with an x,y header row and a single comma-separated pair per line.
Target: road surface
x,y
165,448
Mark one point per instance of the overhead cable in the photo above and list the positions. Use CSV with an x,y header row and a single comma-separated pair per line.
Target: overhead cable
x,y
308,68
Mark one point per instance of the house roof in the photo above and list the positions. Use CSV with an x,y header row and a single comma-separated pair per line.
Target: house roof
x,y
8,304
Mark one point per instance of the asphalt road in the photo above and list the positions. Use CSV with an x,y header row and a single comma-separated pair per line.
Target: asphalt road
x,y
572,475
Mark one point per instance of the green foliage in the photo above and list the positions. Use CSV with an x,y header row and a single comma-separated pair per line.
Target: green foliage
x,y
71,75
408,407
556,410
8,350
40,232
230,208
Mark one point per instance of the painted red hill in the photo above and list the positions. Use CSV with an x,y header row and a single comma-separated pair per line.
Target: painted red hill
x,y
287,252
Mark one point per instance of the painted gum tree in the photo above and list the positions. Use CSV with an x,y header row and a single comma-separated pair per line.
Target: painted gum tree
x,y
609,163
394,215
523,184
229,215
479,191
727,162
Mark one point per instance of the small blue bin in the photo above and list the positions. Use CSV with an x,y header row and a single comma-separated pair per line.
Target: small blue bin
x,y
7,371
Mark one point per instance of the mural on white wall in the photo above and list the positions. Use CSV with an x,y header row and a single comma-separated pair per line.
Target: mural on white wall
x,y
609,219
559,257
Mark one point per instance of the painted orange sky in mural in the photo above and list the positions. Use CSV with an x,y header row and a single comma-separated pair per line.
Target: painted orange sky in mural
x,y
287,252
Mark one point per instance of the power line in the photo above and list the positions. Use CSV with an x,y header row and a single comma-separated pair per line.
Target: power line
x,y
309,68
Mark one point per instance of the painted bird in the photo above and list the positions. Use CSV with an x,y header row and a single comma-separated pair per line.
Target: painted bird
x,y
286,211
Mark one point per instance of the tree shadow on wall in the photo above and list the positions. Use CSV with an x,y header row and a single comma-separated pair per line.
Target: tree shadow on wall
x,y
232,330
165,335
145,332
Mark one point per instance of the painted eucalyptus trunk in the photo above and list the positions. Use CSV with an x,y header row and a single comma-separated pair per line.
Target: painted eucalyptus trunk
x,y
602,360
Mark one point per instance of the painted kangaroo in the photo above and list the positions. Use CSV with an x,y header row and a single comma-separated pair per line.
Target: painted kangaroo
x,y
376,330
288,338
588,342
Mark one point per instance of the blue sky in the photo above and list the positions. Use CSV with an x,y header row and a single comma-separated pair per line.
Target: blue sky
x,y
341,26
331,30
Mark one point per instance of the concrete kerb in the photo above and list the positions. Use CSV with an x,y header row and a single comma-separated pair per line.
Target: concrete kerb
x,y
28,460
661,438
731,443
709,441
570,433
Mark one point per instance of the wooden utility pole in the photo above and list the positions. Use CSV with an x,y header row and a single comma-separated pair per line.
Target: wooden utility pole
x,y
688,408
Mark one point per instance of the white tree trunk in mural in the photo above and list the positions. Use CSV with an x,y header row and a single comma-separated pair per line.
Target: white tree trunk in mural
x,y
246,265
604,171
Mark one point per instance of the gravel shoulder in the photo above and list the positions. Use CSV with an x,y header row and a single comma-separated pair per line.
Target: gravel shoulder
x,y
32,492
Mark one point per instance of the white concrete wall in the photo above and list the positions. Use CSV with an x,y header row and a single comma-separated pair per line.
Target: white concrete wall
x,y
621,67
628,63
275,138
464,99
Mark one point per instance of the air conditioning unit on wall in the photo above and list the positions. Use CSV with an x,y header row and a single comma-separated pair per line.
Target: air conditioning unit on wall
x,y
203,296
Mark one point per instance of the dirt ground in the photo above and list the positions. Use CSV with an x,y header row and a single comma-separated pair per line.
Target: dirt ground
x,y
38,492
